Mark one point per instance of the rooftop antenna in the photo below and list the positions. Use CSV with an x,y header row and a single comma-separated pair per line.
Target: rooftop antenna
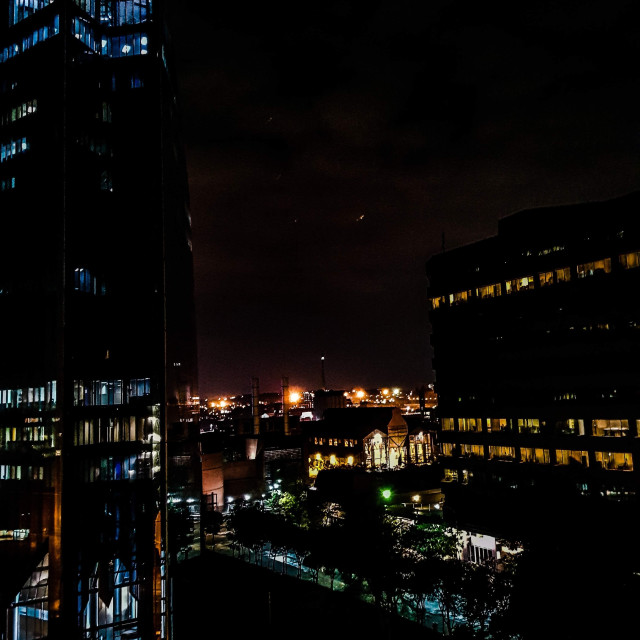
x,y
324,385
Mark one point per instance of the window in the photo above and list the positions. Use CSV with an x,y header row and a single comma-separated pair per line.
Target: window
x,y
470,424
570,456
436,303
447,448
21,9
459,297
615,428
563,275
502,453
519,284
472,450
541,456
545,278
498,424
570,426
528,425
489,291
630,260
593,268
448,424
12,148
614,460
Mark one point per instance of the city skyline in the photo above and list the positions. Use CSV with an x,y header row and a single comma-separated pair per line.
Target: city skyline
x,y
332,150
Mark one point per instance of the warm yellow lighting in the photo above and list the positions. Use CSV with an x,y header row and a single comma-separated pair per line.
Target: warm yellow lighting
x,y
294,397
223,403
332,459
318,456
396,392
350,460
360,394
416,498
385,392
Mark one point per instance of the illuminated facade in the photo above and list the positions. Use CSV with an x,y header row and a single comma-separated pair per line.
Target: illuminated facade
x,y
536,340
99,480
368,438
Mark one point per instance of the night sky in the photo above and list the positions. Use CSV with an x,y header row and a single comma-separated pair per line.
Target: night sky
x,y
331,144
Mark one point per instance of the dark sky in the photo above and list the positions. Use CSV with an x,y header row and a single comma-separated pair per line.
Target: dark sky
x,y
330,144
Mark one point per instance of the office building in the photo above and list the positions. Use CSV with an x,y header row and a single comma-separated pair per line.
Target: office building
x,y
99,478
536,339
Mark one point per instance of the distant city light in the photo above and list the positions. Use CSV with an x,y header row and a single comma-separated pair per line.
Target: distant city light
x,y
386,493
360,394
294,397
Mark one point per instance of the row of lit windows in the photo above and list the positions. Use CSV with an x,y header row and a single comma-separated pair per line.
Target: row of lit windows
x,y
116,429
89,393
7,183
36,433
131,44
334,442
118,12
569,426
12,148
546,278
22,9
20,111
29,397
113,469
605,459
38,35
19,472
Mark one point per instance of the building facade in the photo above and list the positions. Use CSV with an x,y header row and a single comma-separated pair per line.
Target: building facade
x,y
536,336
99,481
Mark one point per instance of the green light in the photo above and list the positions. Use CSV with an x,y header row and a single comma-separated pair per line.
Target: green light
x,y
386,493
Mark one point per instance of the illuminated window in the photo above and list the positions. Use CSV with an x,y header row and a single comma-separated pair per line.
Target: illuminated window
x,y
21,9
448,424
7,183
592,268
472,450
615,428
570,456
528,425
437,302
570,426
563,275
502,453
489,291
541,456
545,278
459,297
447,449
498,424
630,260
519,284
614,460
527,454
470,424
12,148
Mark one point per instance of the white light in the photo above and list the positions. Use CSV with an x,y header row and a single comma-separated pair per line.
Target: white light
x,y
229,499
126,49
144,40
247,496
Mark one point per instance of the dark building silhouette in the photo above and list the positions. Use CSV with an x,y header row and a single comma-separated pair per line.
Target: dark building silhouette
x,y
536,339
99,481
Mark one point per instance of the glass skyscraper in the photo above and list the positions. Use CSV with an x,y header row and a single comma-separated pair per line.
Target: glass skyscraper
x,y
99,467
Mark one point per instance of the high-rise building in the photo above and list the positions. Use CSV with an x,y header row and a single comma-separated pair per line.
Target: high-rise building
x,y
536,339
99,479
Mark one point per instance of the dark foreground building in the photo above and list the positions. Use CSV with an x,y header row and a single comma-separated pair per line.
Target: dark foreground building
x,y
98,431
536,340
